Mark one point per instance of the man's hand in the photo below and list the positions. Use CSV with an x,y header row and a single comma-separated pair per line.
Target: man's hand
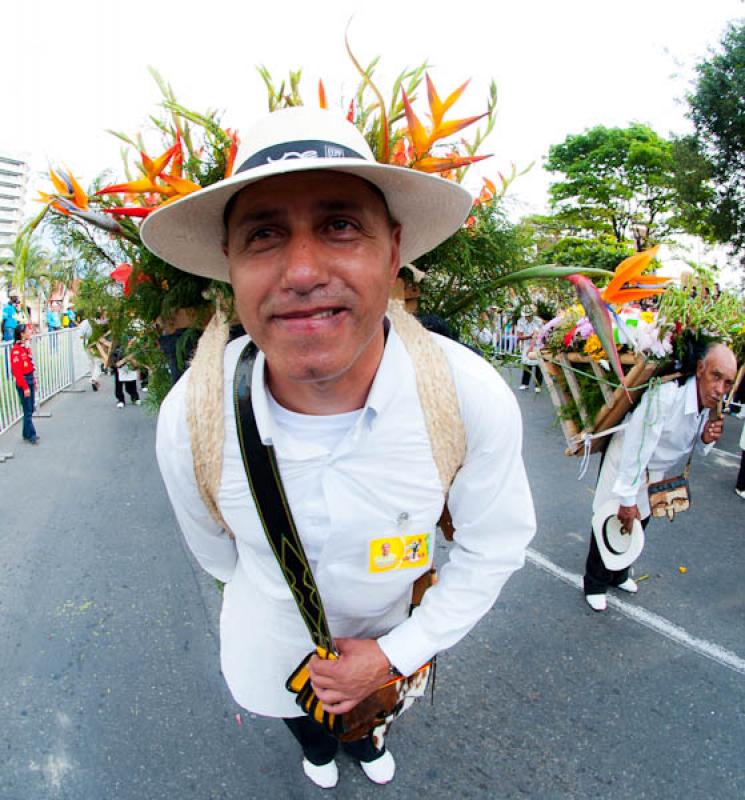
x,y
360,669
627,515
27,392
712,431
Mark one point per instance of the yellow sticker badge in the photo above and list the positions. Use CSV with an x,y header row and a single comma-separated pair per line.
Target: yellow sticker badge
x,y
399,552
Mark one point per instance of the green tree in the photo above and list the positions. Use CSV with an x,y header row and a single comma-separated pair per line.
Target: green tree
x,y
617,182
461,273
717,110
33,271
693,184
555,244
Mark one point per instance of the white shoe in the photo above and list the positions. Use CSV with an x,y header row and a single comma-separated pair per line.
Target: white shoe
x,y
381,770
120,405
537,389
740,493
629,585
326,776
138,402
597,602
522,387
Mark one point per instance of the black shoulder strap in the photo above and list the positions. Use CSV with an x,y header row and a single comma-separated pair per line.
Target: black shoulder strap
x,y
271,504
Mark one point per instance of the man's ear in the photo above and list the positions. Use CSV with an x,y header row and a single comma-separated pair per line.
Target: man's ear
x,y
699,368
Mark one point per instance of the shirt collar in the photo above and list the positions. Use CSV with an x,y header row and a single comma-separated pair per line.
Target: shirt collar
x,y
691,396
386,379
380,396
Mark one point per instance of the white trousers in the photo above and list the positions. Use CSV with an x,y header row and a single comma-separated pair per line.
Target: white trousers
x,y
95,367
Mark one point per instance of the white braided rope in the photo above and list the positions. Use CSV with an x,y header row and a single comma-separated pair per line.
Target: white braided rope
x,y
205,418
434,382
204,412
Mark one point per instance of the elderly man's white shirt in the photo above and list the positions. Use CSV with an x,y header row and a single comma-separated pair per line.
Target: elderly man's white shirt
x,y
379,481
661,432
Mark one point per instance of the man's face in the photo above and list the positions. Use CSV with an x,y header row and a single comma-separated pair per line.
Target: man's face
x,y
715,376
312,257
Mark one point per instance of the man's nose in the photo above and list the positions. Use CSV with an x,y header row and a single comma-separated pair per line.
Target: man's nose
x,y
304,267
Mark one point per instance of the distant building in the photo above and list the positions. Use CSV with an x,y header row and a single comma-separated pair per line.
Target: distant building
x,y
14,175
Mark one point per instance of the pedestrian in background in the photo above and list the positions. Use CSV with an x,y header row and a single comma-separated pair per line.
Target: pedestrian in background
x,y
125,377
527,329
22,367
659,433
54,323
11,314
94,362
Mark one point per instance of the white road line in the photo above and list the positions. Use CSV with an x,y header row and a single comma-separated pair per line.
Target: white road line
x,y
656,623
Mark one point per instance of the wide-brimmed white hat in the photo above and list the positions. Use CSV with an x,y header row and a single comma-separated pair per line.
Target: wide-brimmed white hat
x,y
190,232
618,550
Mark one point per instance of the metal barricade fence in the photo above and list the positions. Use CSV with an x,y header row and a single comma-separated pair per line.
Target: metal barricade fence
x,y
505,342
59,360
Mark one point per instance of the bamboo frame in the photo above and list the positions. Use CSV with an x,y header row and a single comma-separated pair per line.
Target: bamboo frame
x,y
616,403
572,383
559,397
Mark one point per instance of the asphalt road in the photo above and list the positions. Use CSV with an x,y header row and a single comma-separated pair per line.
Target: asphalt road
x,y
110,686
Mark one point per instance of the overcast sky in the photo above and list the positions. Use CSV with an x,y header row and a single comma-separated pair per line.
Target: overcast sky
x,y
72,69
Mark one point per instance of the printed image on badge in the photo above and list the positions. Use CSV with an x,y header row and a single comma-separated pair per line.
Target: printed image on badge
x,y
399,552
415,550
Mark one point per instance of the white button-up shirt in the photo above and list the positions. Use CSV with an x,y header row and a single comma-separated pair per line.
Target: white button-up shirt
x,y
379,481
661,431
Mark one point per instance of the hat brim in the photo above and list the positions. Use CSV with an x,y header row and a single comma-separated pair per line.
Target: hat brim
x,y
190,233
606,515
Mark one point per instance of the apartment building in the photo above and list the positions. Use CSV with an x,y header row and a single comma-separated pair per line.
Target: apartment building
x,y
14,175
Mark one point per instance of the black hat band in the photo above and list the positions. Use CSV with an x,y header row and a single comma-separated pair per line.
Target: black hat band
x,y
301,149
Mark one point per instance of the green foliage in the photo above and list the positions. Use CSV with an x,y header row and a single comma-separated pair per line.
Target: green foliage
x,y
32,268
692,178
461,271
600,251
143,349
717,106
720,318
590,392
617,182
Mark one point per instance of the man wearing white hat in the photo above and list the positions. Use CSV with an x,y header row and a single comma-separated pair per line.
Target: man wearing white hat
x,y
528,328
310,232
661,432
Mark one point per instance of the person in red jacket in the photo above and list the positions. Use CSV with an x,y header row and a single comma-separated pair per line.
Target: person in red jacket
x,y
22,367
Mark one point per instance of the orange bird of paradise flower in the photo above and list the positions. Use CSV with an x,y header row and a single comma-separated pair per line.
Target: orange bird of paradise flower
x,y
234,142
153,169
486,195
69,193
322,102
422,140
172,186
628,284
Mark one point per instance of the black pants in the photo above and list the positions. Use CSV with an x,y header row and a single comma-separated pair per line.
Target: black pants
x,y
741,474
320,747
120,386
538,375
597,576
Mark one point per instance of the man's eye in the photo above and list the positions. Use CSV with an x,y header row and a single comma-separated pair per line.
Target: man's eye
x,y
261,233
261,237
342,225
